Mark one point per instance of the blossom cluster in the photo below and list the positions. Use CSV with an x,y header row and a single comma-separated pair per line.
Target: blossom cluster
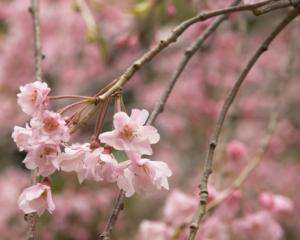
x,y
45,139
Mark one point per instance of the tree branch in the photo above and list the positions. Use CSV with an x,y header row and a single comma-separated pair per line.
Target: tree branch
x,y
159,106
148,56
189,53
201,211
34,10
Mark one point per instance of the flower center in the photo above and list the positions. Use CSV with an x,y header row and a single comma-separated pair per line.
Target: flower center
x,y
50,124
34,96
127,133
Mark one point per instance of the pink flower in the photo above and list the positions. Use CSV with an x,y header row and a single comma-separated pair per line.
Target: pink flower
x,y
150,230
33,97
276,203
236,150
144,175
102,166
258,225
90,163
36,198
51,125
73,157
179,208
44,157
22,137
130,134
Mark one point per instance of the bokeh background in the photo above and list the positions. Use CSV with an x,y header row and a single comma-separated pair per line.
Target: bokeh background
x,y
80,61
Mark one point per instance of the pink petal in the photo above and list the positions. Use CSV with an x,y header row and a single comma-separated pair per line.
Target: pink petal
x,y
151,133
120,119
139,116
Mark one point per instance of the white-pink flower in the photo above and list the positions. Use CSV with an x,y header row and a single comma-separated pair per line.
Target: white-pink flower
x,y
23,137
276,203
33,97
73,157
44,157
36,198
51,125
101,166
179,208
150,230
143,176
130,134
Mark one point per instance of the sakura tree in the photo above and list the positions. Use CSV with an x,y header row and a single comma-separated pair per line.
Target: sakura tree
x,y
215,158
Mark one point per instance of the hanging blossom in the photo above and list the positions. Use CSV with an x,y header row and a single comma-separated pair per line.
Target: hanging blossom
x,y
33,97
41,138
36,198
130,134
93,164
45,139
143,175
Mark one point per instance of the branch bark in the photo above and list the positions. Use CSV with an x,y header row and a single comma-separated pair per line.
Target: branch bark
x,y
201,211
148,56
159,106
38,57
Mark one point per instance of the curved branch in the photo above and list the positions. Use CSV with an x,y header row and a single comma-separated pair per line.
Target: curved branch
x,y
148,56
201,211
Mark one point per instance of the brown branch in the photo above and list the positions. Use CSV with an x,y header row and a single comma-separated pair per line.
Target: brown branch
x,y
158,108
148,56
189,53
201,211
34,10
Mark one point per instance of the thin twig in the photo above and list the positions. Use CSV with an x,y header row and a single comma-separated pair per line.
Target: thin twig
x,y
160,103
189,53
201,211
34,10
278,109
148,56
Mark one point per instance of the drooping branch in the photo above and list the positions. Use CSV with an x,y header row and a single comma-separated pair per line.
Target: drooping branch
x,y
157,109
201,211
189,53
34,10
177,31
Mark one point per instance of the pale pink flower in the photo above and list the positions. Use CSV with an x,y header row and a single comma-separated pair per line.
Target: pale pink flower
x,y
143,176
101,166
152,230
51,125
36,198
33,97
130,134
276,203
236,150
259,225
44,157
214,229
22,137
179,208
73,157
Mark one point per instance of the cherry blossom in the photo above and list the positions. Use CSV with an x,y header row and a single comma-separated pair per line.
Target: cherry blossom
x,y
236,150
130,134
44,157
23,137
276,203
143,176
36,198
51,125
33,97
179,208
72,159
151,230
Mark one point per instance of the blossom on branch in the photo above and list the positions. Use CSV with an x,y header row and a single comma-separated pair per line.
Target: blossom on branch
x,y
36,198
130,134
33,97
